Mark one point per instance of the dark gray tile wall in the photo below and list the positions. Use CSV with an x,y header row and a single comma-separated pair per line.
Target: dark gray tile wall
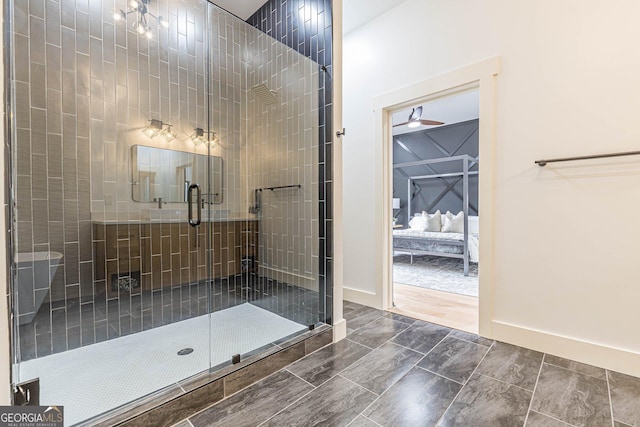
x,y
306,26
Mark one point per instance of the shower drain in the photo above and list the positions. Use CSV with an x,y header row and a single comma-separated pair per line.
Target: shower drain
x,y
185,351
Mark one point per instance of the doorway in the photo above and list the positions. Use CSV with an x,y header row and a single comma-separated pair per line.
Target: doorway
x,y
435,211
480,76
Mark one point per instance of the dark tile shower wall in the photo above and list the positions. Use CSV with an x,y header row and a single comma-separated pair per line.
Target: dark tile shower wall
x,y
306,26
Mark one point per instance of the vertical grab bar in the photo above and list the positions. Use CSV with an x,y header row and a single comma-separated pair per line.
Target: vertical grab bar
x,y
196,222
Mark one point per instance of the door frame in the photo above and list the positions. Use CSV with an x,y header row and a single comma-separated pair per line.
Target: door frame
x,y
479,76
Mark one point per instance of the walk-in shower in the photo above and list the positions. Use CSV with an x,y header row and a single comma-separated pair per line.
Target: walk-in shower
x,y
142,133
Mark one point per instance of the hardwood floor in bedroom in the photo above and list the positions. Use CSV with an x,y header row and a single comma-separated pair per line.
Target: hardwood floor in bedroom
x,y
443,308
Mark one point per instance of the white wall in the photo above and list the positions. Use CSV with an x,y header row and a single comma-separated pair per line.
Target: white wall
x,y
565,237
339,323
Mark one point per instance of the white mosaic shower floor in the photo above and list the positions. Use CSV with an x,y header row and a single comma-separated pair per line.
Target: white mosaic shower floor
x,y
90,380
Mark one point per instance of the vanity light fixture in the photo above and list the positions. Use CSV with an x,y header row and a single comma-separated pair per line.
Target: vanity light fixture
x,y
141,24
157,127
153,128
199,137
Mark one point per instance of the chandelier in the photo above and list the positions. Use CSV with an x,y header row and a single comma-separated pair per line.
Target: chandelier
x,y
141,24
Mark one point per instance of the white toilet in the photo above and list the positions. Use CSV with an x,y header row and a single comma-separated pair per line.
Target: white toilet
x,y
35,270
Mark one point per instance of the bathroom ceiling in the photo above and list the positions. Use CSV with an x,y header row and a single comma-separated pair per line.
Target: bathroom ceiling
x,y
241,8
450,110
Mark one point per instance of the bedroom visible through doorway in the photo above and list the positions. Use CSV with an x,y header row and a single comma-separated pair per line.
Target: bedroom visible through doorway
x,y
435,210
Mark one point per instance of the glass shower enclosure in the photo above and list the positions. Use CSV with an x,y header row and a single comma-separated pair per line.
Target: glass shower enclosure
x,y
164,183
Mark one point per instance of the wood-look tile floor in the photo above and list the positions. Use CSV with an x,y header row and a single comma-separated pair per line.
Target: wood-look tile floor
x,y
443,308
393,370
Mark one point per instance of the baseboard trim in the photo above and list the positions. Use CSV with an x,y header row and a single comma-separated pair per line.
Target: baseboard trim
x,y
361,297
339,330
615,359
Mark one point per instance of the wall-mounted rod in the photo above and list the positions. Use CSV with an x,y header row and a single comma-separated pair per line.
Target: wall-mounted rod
x,y
280,187
595,156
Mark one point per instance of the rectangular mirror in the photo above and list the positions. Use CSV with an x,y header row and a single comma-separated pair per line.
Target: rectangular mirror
x,y
162,173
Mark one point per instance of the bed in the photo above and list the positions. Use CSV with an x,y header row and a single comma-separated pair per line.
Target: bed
x,y
447,235
438,243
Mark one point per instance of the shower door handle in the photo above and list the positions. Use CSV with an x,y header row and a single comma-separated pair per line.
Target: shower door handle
x,y
194,222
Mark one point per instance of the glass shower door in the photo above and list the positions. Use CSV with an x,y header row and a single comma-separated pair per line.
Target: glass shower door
x,y
165,191
263,102
110,288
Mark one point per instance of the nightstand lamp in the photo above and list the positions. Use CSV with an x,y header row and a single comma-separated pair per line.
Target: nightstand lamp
x,y
395,204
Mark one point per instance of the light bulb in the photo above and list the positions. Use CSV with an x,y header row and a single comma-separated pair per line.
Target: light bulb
x,y
213,140
134,4
149,34
117,16
413,124
198,136
150,132
153,128
141,29
163,22
168,134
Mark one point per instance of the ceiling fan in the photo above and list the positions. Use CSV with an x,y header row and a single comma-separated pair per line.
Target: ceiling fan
x,y
415,120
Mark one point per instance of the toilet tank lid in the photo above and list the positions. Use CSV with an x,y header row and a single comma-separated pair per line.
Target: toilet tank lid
x,y
37,256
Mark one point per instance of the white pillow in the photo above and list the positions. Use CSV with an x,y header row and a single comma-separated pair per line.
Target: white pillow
x,y
426,222
434,222
418,223
453,224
